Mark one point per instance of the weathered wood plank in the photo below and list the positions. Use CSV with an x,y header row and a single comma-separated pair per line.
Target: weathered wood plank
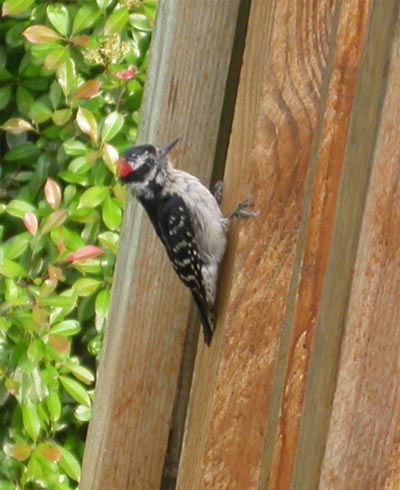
x,y
360,149
275,122
142,351
323,188
365,419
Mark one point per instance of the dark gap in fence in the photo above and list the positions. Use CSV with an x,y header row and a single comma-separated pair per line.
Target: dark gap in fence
x,y
175,440
231,89
177,427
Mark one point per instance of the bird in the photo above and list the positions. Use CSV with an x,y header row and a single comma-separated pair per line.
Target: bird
x,y
187,219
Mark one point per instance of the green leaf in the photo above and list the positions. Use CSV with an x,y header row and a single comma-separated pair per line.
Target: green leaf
x,y
84,18
80,372
76,390
82,413
14,294
66,76
61,117
150,8
69,238
36,351
111,126
112,214
66,328
26,151
140,22
103,4
75,148
79,165
58,301
74,178
56,58
116,21
102,303
9,268
109,240
6,485
54,220
4,324
69,193
40,111
30,419
86,286
93,196
59,18
70,464
53,404
19,208
15,7
5,96
55,95
24,100
16,246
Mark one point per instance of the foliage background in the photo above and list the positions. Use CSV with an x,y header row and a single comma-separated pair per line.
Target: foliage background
x,y
71,80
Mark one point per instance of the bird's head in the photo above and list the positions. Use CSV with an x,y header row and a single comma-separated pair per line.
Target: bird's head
x,y
142,163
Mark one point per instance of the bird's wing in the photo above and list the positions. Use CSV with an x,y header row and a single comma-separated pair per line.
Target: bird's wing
x,y
176,232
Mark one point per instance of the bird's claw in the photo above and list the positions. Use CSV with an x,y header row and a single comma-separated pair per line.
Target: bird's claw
x,y
240,211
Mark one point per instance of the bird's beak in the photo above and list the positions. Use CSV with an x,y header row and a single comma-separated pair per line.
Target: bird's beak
x,y
163,152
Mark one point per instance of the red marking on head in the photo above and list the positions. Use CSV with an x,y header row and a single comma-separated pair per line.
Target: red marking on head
x,y
124,169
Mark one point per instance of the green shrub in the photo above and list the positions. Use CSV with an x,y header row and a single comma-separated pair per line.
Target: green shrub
x,y
71,78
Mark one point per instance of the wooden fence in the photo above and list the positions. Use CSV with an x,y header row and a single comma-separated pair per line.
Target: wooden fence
x,y
297,104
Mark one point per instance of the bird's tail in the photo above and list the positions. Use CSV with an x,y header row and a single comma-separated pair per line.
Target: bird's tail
x,y
207,317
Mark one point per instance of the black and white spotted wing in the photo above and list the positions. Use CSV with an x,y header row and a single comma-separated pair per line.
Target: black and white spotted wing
x,y
171,220
176,231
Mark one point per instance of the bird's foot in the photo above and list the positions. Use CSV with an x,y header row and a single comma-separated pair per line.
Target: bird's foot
x,y
240,211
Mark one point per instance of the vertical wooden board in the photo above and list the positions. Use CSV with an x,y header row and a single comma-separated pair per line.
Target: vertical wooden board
x,y
323,188
366,410
141,356
267,162
360,148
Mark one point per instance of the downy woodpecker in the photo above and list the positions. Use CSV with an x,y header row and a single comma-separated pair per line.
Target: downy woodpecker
x,y
186,218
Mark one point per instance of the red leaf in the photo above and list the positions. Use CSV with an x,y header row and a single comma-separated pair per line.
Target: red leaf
x,y
85,253
21,451
87,90
59,343
49,451
41,35
126,74
52,193
31,223
80,40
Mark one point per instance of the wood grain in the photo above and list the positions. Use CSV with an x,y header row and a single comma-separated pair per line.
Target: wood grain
x,y
364,428
299,389
323,188
362,133
143,347
275,122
